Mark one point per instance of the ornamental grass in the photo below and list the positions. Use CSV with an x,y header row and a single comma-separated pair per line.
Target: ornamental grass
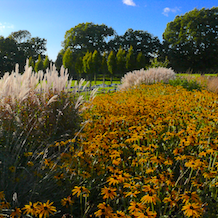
x,y
150,151
36,110
149,76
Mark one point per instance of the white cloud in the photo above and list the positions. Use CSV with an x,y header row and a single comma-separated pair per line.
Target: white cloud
x,y
167,10
129,2
4,26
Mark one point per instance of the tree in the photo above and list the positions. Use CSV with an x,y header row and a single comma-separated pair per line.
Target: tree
x,y
155,63
191,41
9,54
141,41
30,47
39,64
20,36
87,67
130,60
79,67
59,60
46,63
87,37
120,62
31,63
18,47
140,61
35,47
104,67
68,60
96,63
111,63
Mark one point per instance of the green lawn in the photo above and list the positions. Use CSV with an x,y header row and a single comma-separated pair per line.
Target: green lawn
x,y
194,75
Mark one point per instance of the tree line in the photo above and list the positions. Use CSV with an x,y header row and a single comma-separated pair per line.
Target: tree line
x,y
19,46
190,42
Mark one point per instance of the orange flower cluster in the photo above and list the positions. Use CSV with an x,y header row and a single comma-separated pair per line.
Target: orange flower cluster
x,y
152,148
41,210
147,152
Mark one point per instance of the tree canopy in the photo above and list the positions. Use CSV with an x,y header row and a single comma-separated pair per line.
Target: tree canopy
x,y
141,41
9,55
191,40
19,46
20,36
87,37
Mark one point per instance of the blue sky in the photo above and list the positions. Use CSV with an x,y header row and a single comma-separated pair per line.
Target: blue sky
x,y
50,19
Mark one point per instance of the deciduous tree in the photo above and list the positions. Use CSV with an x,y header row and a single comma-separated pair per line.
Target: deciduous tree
x,y
39,64
68,61
87,65
130,60
140,61
121,62
96,63
46,63
191,40
104,67
59,60
9,54
141,41
111,63
87,37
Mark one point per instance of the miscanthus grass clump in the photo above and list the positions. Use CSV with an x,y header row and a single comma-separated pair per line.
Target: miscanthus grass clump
x,y
149,76
36,110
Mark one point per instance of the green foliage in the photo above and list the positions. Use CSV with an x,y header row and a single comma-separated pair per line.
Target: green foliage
x,y
59,60
96,63
31,63
87,67
87,37
20,36
45,63
79,66
121,62
190,85
39,64
130,59
141,41
104,67
140,61
111,63
191,41
68,59
18,47
155,63
9,54
27,45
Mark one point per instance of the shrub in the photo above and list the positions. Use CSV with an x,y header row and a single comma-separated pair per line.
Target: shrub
x,y
36,111
190,85
155,63
150,76
212,84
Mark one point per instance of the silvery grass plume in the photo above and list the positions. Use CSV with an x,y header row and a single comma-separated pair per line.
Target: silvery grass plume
x,y
18,86
212,84
152,75
36,111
